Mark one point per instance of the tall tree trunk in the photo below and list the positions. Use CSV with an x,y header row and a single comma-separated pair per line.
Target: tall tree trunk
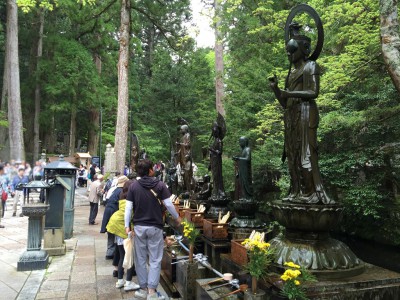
x,y
219,62
50,139
121,131
72,134
93,139
390,39
94,118
36,125
14,97
150,36
4,146
4,91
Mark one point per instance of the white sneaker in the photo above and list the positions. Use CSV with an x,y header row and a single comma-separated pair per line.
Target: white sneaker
x,y
130,286
156,295
142,294
120,283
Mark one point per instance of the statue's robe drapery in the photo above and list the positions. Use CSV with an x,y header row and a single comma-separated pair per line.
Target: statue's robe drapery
x,y
301,122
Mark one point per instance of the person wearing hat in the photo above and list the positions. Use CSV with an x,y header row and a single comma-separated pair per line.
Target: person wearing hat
x,y
110,187
112,207
16,190
95,195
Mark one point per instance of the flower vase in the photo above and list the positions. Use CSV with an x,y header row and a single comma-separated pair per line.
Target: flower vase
x,y
191,250
253,284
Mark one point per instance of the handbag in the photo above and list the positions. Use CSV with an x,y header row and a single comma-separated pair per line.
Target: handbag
x,y
129,253
4,196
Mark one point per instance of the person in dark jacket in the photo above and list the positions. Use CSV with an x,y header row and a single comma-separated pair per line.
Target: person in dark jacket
x,y
148,226
112,207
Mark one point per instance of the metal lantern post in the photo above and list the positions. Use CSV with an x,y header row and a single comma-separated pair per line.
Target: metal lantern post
x,y
35,206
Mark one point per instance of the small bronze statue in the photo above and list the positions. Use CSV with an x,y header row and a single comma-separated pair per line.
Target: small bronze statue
x,y
244,175
205,191
218,133
134,152
185,158
143,154
301,119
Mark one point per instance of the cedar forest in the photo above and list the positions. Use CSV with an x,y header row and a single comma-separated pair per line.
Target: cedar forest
x,y
170,78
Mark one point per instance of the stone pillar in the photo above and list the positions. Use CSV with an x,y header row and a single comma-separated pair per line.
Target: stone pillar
x,y
35,230
34,258
110,161
189,280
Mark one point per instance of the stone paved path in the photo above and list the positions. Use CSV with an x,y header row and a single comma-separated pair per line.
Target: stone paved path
x,y
82,273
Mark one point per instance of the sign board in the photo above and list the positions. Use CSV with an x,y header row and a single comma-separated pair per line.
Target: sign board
x,y
96,160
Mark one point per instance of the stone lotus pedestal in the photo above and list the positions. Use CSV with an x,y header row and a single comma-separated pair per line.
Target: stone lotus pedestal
x,y
307,241
245,220
217,204
34,258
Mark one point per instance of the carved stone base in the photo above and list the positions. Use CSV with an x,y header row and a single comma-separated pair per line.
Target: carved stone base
x,y
54,241
327,258
242,222
213,212
241,233
307,241
33,260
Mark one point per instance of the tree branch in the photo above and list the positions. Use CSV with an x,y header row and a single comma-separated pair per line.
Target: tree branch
x,y
155,23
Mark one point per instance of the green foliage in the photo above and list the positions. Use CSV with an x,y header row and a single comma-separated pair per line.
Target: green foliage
x,y
28,5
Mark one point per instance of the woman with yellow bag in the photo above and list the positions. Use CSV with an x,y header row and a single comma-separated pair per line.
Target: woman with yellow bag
x,y
116,226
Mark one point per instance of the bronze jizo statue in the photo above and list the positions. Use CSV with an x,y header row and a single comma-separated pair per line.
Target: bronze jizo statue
x,y
243,170
185,158
301,120
205,191
215,149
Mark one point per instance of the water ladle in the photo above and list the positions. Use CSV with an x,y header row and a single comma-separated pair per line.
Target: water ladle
x,y
226,277
242,288
232,282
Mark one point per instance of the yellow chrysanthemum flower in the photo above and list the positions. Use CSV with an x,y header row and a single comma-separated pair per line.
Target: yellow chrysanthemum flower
x,y
292,265
285,277
296,282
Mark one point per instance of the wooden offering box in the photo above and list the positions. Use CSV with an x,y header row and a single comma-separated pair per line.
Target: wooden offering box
x,y
195,217
182,211
238,252
214,230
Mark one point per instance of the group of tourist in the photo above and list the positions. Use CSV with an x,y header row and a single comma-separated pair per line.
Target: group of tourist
x,y
134,210
12,175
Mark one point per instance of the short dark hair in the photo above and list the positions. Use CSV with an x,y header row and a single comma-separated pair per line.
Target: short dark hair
x,y
143,167
1,167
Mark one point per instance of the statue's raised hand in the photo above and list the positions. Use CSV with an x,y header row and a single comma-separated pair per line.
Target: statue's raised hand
x,y
273,82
